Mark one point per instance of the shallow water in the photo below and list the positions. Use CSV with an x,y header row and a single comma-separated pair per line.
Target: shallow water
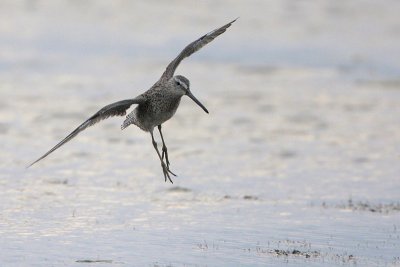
x,y
296,164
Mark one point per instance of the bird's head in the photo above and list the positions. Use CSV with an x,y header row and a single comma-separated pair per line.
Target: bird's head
x,y
181,85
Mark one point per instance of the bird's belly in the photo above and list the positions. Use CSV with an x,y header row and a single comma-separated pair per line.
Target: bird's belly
x,y
155,114
163,112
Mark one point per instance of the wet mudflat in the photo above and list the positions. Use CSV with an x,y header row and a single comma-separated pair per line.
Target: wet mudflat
x,y
296,164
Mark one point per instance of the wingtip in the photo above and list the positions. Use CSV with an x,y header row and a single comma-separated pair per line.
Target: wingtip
x,y
30,165
27,167
234,20
36,161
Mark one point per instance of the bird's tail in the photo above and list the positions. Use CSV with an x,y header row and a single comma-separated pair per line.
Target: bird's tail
x,y
128,121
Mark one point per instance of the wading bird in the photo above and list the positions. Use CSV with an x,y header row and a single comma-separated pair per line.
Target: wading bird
x,y
155,106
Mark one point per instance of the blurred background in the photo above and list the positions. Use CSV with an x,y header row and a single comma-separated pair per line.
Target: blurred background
x,y
296,164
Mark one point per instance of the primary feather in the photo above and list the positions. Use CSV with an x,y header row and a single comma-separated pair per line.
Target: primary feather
x,y
115,109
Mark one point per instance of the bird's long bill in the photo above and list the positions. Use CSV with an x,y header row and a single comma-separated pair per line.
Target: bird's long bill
x,y
189,94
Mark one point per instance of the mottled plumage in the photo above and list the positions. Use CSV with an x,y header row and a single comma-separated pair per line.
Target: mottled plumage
x,y
155,106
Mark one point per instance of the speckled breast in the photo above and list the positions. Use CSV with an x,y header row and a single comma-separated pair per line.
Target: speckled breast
x,y
155,112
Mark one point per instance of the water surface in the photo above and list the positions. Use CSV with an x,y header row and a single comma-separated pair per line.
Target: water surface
x,y
296,164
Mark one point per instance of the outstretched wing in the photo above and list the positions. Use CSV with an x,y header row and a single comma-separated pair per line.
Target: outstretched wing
x,y
115,109
192,48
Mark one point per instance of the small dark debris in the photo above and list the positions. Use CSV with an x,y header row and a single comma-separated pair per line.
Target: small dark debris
x,y
55,181
295,252
281,252
366,206
248,197
179,189
94,261
308,254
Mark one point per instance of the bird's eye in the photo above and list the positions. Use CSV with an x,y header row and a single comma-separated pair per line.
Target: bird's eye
x,y
178,83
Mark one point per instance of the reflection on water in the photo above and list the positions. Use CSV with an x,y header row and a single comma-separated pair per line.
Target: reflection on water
x,y
303,116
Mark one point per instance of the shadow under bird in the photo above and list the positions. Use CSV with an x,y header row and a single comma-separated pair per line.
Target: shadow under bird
x,y
155,106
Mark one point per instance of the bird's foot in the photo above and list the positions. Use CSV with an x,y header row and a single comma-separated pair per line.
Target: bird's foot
x,y
165,152
167,172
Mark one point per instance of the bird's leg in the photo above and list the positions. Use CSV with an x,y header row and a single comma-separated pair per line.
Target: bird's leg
x,y
166,170
164,147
